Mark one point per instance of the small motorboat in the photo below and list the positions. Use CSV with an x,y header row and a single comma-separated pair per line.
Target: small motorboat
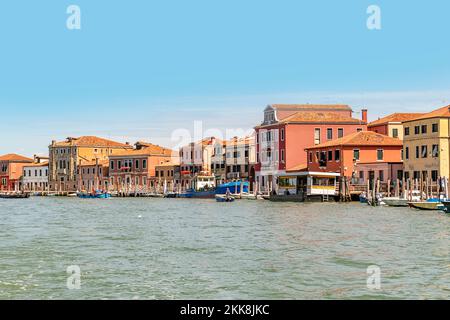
x,y
446,204
430,204
224,198
94,195
14,195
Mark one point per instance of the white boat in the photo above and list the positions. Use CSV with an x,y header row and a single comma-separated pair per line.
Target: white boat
x,y
395,202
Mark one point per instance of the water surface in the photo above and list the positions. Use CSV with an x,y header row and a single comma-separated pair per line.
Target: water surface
x,y
200,249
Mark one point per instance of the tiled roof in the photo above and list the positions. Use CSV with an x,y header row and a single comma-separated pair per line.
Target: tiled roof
x,y
299,167
322,107
147,149
15,157
443,112
395,117
42,164
91,163
320,117
362,138
91,141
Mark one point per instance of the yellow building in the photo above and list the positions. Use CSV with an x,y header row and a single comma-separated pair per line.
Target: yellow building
x,y
426,145
66,157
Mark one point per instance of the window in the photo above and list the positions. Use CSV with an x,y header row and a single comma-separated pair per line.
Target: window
x,y
417,152
144,164
406,153
424,129
406,131
323,159
381,175
310,157
119,164
361,175
435,151
395,133
359,130
356,154
434,127
380,154
424,152
330,134
406,175
337,155
282,134
282,155
416,129
137,164
330,155
111,164
340,132
416,175
434,175
317,136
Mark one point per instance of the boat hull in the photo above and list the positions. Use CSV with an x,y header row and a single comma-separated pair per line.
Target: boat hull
x,y
15,196
426,205
224,199
395,202
93,196
198,194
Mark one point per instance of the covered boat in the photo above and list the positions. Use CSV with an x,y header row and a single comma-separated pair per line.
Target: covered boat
x,y
94,195
14,195
233,187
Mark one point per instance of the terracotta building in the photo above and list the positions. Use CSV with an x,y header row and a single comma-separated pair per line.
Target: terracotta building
x,y
11,170
391,125
134,170
65,157
93,175
287,130
360,156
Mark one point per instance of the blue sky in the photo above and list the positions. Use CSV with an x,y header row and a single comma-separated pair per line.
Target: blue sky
x,y
141,69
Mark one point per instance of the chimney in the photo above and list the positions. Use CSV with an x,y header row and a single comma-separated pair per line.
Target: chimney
x,y
364,115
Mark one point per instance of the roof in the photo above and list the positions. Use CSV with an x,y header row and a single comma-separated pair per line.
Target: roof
x,y
167,164
395,117
320,117
306,107
299,167
443,112
93,163
362,138
42,164
146,149
91,141
12,157
240,141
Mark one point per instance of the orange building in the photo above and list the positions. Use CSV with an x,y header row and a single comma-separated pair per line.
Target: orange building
x,y
391,125
288,129
368,152
11,170
93,175
134,170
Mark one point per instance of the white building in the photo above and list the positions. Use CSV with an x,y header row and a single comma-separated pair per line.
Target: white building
x,y
35,177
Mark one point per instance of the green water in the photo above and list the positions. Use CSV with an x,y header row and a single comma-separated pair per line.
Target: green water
x,y
200,249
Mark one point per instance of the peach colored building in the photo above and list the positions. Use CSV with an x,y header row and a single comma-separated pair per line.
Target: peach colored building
x,y
134,170
360,156
93,175
391,125
11,170
288,129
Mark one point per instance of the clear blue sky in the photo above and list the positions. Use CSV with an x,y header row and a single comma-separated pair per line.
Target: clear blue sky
x,y
140,69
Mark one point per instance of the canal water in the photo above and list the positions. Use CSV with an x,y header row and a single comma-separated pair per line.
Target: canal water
x,y
199,249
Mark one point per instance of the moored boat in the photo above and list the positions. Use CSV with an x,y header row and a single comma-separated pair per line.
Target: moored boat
x,y
446,204
224,198
14,195
395,202
431,204
95,195
205,194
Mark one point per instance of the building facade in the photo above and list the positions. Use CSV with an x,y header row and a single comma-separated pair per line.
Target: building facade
x,y
426,145
288,129
65,157
35,175
11,170
359,156
135,170
391,125
167,177
93,175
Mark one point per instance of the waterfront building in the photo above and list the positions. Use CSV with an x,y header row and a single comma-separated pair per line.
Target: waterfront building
x,y
167,177
11,169
240,158
218,162
65,157
426,145
391,125
93,175
35,175
134,170
359,156
196,159
288,129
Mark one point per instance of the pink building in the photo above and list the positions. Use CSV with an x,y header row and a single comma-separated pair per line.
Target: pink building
x,y
287,130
